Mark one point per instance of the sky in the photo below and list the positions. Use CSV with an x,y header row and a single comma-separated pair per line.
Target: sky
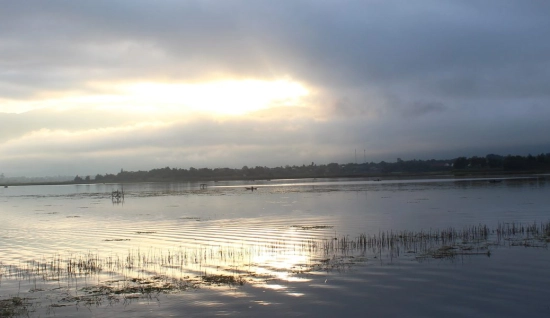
x,y
90,87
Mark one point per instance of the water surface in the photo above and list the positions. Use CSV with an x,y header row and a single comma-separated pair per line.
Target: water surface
x,y
278,240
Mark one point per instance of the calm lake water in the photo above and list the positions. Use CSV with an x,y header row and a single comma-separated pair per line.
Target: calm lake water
x,y
289,248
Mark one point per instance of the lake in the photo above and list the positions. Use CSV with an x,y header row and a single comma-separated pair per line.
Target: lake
x,y
309,247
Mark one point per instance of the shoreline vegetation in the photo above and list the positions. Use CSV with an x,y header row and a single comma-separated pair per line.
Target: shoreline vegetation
x,y
488,166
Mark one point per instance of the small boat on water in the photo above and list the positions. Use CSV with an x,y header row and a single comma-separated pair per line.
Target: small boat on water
x,y
251,188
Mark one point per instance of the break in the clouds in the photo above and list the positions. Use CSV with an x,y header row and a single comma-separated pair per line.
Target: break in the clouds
x,y
90,87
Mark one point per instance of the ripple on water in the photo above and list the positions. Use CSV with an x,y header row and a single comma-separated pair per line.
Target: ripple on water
x,y
281,236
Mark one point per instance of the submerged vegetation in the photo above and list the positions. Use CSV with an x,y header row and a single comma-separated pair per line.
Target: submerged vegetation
x,y
94,279
14,307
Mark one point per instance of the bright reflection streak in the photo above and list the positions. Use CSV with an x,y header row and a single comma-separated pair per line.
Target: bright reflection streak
x,y
179,254
274,286
281,265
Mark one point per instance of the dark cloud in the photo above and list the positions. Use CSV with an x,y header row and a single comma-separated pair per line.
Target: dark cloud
x,y
330,44
423,108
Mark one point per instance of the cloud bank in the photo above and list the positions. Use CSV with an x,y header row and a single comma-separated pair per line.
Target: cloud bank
x,y
428,79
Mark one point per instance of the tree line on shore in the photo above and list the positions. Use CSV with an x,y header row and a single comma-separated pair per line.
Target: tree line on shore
x,y
462,165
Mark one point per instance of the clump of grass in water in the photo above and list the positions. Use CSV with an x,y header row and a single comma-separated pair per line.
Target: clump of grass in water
x,y
138,287
224,279
446,243
120,291
312,227
447,251
14,307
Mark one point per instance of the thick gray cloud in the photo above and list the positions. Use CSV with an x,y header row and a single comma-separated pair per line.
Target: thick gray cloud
x,y
402,79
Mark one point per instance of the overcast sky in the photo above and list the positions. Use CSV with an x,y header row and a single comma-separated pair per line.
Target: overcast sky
x,y
91,87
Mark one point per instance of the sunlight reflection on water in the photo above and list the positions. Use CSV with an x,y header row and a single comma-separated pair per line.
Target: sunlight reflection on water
x,y
279,237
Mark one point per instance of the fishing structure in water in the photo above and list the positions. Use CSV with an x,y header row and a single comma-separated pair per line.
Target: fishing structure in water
x,y
117,196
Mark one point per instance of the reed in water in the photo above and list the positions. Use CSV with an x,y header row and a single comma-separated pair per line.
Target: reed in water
x,y
392,244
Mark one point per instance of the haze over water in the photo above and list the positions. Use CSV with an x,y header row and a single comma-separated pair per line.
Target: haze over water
x,y
277,239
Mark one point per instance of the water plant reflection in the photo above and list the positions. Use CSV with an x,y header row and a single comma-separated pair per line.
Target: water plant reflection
x,y
93,276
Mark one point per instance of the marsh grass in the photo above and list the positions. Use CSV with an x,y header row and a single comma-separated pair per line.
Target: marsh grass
x,y
312,227
92,278
224,279
14,306
449,242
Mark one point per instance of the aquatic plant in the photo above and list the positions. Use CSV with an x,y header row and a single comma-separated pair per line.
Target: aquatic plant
x,y
224,279
140,273
14,306
435,243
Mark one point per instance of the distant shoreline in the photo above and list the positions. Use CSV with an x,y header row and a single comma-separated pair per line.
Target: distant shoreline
x,y
481,174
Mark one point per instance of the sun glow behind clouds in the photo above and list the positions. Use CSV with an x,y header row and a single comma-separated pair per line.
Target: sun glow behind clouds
x,y
228,97
222,98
